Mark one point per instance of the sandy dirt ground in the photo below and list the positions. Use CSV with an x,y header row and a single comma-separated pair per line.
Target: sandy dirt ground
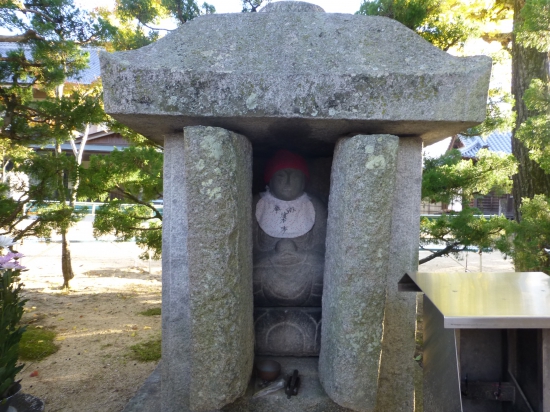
x,y
98,320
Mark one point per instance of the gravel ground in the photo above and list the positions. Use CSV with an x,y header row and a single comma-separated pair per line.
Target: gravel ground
x,y
97,321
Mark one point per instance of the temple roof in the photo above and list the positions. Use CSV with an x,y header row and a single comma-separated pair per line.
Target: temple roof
x,y
497,141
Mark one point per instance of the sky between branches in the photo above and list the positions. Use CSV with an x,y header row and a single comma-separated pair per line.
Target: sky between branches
x,y
235,6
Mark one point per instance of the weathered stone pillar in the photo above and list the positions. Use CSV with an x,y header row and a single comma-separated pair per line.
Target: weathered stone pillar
x,y
397,366
208,335
356,267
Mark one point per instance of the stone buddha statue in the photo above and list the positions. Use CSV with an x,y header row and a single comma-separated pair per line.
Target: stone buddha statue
x,y
289,236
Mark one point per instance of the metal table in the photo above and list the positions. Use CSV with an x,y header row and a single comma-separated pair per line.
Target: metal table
x,y
486,341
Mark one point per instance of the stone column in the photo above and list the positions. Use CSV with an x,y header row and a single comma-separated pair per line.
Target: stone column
x,y
356,266
208,335
397,366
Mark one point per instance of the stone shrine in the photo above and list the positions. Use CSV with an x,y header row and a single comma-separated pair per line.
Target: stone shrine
x,y
355,97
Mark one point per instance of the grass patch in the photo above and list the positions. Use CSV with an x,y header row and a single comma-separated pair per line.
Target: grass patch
x,y
37,344
151,312
148,351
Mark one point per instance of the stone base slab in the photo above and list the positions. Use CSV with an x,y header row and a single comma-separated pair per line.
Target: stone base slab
x,y
311,396
147,398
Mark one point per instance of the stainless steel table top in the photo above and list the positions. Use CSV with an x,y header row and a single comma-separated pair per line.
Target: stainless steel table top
x,y
513,300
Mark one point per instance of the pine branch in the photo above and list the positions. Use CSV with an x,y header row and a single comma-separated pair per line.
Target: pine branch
x,y
154,28
23,63
38,13
143,229
21,38
140,202
27,230
448,249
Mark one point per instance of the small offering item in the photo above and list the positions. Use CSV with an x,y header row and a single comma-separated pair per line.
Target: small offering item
x,y
292,385
270,388
268,370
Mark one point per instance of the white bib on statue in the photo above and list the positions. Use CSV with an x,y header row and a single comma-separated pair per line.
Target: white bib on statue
x,y
285,219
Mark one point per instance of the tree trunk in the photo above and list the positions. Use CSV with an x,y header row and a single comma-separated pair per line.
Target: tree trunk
x,y
66,265
527,64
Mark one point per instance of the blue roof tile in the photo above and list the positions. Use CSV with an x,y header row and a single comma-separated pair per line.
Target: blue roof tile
x,y
497,141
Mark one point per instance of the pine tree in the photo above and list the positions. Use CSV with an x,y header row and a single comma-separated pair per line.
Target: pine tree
x,y
49,43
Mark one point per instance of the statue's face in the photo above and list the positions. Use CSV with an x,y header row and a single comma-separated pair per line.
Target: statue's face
x,y
287,184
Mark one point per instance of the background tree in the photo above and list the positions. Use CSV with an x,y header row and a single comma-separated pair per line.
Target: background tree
x,y
54,33
449,178
253,5
530,244
530,66
148,12
129,180
141,22
444,23
28,210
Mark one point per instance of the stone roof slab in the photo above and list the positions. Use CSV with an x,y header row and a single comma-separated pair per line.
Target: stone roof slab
x,y
302,77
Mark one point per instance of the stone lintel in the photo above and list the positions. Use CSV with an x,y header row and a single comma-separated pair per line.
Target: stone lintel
x,y
310,137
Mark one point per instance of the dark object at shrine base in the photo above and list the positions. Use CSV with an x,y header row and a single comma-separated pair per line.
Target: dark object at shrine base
x,y
292,385
268,370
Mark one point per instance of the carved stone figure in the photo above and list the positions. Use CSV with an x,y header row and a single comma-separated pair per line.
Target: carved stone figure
x,y
288,331
289,237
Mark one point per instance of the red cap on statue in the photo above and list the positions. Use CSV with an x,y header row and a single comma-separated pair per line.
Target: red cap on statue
x,y
284,159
